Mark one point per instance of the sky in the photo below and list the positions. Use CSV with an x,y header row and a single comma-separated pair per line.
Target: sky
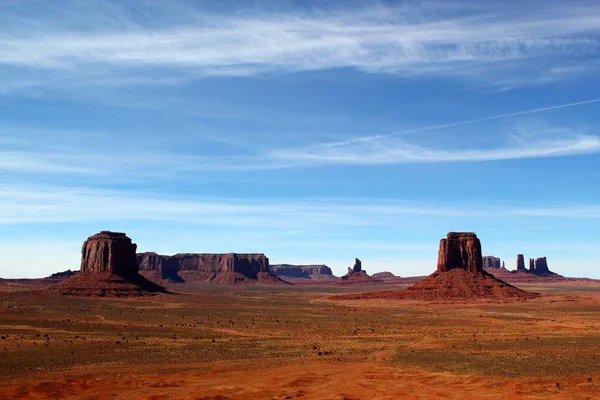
x,y
312,131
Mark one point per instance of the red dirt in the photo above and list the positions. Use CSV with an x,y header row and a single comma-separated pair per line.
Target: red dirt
x,y
454,284
107,284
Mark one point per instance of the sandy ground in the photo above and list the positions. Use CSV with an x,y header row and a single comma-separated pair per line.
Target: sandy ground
x,y
288,343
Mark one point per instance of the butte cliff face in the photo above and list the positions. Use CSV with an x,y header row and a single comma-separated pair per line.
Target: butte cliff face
x,y
520,263
108,268
538,266
207,267
460,250
532,265
108,251
541,266
460,273
491,262
313,272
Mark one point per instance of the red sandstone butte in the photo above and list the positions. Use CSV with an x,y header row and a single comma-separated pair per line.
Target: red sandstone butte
x,y
108,268
460,250
459,275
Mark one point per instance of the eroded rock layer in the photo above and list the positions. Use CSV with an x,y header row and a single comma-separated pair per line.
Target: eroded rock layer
x,y
520,263
108,268
459,275
314,272
460,250
108,251
491,262
227,268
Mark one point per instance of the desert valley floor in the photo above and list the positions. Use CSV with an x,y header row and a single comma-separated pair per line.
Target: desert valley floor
x,y
288,342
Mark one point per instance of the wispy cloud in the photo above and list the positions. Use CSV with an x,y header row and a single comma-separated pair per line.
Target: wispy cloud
x,y
461,123
394,151
409,40
114,164
47,204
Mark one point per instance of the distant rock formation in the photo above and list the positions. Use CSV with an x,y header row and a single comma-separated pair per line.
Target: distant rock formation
x,y
503,267
314,272
531,266
229,268
538,266
520,263
460,250
459,275
385,275
357,275
108,268
62,275
491,262
541,266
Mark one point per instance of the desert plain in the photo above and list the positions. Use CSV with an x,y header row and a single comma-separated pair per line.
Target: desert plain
x,y
294,342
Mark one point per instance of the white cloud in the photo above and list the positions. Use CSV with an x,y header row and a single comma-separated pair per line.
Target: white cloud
x,y
416,39
393,151
127,164
55,204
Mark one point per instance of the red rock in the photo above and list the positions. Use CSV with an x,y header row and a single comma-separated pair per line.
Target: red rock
x,y
459,275
460,250
108,268
62,275
520,263
228,268
541,266
531,266
357,265
385,275
313,272
108,251
491,262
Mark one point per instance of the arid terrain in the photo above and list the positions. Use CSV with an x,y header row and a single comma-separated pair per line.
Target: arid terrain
x,y
287,342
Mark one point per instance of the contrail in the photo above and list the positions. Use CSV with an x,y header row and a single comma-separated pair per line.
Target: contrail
x,y
453,124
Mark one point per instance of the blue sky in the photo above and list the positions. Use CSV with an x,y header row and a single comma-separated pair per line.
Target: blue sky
x,y
314,132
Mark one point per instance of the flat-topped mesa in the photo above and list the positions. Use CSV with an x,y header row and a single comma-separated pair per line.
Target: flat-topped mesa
x,y
460,250
491,262
247,264
520,263
109,251
319,271
207,267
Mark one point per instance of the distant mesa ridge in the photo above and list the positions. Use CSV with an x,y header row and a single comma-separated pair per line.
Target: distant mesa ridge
x,y
314,272
491,262
227,268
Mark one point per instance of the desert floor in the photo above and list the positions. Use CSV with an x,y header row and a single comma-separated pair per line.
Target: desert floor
x,y
295,342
